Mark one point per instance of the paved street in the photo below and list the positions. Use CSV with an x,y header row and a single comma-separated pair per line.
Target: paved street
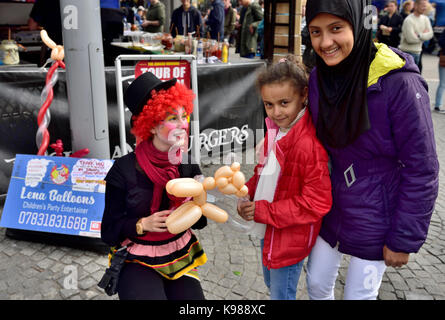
x,y
33,270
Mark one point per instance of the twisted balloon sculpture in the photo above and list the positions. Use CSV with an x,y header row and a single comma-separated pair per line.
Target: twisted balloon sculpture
x,y
44,116
228,180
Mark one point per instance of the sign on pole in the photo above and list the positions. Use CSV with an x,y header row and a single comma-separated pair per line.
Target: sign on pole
x,y
57,195
166,70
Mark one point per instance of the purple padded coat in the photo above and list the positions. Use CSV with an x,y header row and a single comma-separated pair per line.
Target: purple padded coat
x,y
385,184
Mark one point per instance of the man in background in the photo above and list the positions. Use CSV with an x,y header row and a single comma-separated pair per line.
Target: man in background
x,y
186,19
229,19
416,29
155,18
215,20
249,34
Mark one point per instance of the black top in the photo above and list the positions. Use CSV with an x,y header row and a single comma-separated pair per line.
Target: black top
x,y
395,22
128,198
191,18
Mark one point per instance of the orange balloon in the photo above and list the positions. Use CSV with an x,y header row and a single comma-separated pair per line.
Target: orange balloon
x,y
229,189
200,199
242,192
224,171
236,166
183,217
238,179
215,213
222,182
209,183
169,185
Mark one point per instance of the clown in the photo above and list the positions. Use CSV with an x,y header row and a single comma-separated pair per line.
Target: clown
x,y
159,264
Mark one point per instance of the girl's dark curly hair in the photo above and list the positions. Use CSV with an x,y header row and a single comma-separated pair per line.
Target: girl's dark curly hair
x,y
288,69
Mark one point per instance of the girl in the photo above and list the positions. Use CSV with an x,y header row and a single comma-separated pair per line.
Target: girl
x,y
290,188
159,265
372,112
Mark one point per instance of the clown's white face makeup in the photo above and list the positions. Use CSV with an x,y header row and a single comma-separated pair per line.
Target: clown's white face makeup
x,y
332,38
172,131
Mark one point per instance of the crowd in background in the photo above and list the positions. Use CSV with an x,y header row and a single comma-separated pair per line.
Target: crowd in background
x,y
238,21
409,28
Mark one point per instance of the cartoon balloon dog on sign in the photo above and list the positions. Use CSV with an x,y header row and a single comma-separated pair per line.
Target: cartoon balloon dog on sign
x,y
228,180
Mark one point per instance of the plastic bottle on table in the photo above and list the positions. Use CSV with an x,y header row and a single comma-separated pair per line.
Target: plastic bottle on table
x,y
199,52
225,52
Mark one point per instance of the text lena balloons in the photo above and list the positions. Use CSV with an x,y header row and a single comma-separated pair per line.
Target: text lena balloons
x,y
228,180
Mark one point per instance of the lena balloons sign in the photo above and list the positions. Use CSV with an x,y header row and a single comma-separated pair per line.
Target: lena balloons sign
x,y
228,180
165,70
56,194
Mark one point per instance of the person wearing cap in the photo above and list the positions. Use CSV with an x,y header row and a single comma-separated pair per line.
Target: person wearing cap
x,y
159,265
371,110
139,16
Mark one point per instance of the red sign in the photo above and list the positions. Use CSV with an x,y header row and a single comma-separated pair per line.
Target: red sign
x,y
165,70
95,225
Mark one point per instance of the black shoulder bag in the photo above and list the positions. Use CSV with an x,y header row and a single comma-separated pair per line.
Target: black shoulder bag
x,y
110,279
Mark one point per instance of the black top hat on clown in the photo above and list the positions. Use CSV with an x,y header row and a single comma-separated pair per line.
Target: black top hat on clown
x,y
139,91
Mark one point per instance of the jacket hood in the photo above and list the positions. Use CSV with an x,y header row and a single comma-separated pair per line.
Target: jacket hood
x,y
389,60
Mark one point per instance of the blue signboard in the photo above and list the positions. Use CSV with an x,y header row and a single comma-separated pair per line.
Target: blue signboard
x,y
56,194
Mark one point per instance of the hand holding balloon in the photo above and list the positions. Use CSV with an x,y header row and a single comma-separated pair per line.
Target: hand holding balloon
x,y
246,209
155,222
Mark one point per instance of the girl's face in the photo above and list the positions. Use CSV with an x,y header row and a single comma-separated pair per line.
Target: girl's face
x,y
332,38
172,131
282,102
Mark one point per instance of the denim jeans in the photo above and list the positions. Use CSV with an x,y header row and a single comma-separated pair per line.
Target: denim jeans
x,y
416,57
440,88
282,282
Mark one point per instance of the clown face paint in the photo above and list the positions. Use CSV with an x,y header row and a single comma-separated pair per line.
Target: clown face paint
x,y
172,131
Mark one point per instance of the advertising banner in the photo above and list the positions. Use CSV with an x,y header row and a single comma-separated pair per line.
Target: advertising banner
x,y
165,70
56,195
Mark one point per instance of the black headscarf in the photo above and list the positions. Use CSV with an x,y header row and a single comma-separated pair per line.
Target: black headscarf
x,y
343,104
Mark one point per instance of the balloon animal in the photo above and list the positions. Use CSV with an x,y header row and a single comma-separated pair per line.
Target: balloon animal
x,y
44,115
228,180
57,51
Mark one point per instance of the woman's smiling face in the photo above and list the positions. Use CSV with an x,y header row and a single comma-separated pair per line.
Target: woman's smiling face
x,y
172,130
332,38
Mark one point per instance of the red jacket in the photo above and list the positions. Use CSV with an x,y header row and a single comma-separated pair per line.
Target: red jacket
x,y
302,196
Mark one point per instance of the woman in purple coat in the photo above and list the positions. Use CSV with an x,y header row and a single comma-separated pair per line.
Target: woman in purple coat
x,y
372,112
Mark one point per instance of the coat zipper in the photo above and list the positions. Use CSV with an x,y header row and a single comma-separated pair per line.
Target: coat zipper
x,y
269,255
310,236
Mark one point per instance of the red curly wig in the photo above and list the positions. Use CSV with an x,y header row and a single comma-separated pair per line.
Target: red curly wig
x,y
158,106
